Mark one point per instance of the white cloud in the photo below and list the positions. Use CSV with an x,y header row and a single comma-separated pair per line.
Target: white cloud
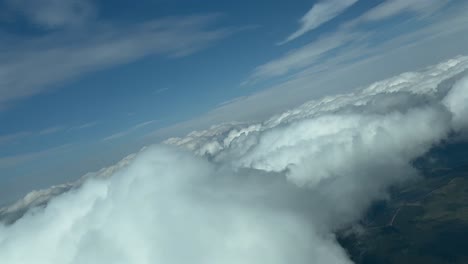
x,y
266,192
319,14
190,217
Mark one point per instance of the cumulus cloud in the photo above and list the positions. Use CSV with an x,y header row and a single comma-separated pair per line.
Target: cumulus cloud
x,y
268,192
157,210
319,14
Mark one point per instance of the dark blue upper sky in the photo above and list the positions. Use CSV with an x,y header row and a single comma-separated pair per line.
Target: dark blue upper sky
x,y
82,82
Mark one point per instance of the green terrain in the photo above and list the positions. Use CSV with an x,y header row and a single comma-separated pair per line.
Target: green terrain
x,y
425,222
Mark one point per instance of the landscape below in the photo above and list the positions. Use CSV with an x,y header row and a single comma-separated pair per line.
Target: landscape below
x,y
424,222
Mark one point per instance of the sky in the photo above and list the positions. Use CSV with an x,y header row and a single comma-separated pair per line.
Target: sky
x,y
217,133
85,83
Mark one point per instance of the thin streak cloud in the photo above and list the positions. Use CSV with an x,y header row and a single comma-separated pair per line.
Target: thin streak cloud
x,y
129,131
69,56
320,13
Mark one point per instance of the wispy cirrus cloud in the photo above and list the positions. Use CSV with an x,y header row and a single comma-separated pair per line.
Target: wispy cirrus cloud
x,y
51,130
8,138
391,8
350,38
15,160
319,14
59,56
129,130
301,57
161,90
83,126
53,14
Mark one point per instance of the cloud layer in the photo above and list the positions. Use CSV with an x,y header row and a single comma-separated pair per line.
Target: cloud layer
x,y
269,192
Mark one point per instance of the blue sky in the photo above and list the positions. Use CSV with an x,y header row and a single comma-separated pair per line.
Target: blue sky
x,y
83,83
